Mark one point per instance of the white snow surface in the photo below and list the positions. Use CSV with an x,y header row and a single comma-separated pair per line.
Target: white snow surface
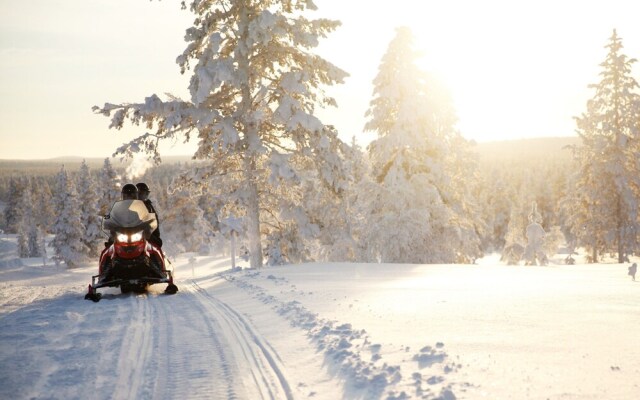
x,y
322,331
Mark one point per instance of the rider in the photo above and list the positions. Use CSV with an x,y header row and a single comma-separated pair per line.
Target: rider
x,y
143,194
128,192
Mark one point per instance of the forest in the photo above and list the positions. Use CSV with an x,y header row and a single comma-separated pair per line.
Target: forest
x,y
511,175
295,191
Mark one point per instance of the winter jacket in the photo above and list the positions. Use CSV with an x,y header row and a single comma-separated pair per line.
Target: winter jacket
x,y
155,235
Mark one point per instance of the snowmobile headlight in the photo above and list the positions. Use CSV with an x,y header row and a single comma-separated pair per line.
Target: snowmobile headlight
x,y
122,238
136,237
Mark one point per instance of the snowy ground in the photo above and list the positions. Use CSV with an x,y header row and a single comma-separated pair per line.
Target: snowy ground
x,y
322,331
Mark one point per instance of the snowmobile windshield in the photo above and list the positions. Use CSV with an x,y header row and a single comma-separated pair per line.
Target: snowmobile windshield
x,y
130,214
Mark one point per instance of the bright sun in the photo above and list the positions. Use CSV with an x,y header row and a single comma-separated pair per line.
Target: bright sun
x,y
505,71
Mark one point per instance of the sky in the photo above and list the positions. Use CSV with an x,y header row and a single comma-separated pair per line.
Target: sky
x,y
514,68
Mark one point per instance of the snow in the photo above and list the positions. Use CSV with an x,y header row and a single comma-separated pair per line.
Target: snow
x,y
322,331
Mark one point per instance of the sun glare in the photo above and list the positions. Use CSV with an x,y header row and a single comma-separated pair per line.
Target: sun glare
x,y
494,78
506,66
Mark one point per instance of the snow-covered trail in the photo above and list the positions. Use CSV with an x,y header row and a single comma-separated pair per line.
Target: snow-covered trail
x,y
322,331
145,346
137,346
257,361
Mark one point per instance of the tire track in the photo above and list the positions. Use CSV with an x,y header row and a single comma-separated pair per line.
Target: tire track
x,y
251,352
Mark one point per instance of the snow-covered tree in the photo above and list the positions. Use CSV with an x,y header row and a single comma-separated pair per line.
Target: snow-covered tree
x,y
418,209
311,216
68,228
12,212
534,250
585,214
34,231
22,233
183,225
43,202
462,167
29,229
254,90
608,187
89,210
36,241
337,214
352,247
108,187
553,239
497,195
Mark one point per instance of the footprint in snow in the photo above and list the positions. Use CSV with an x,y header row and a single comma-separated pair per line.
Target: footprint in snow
x,y
429,356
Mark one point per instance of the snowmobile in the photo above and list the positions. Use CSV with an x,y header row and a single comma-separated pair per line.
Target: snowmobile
x,y
130,261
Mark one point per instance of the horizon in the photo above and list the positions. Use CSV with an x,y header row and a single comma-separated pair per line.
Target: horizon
x,y
120,159
77,158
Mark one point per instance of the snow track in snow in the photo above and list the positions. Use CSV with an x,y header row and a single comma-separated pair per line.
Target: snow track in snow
x,y
191,343
254,356
194,360
136,351
142,346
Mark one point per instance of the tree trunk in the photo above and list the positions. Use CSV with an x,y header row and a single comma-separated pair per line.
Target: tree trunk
x,y
251,136
253,214
619,234
620,251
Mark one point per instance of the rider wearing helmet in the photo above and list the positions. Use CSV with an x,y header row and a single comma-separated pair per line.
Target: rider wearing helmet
x,y
129,192
143,194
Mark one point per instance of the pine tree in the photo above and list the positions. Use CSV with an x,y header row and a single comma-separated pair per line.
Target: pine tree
x,y
417,162
338,215
12,212
354,248
89,210
23,225
108,187
462,167
23,241
254,90
585,215
36,241
312,215
608,189
68,228
497,195
30,228
184,228
44,211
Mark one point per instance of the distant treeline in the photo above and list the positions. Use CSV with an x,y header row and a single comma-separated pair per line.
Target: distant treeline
x,y
511,175
50,167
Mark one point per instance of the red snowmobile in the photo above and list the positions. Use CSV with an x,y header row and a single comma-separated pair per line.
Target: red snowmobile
x,y
130,261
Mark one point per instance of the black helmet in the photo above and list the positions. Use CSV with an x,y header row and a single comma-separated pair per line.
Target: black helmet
x,y
143,191
129,192
142,187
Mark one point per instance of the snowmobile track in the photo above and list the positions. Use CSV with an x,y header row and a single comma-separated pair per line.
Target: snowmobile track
x,y
133,358
195,361
168,347
251,351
